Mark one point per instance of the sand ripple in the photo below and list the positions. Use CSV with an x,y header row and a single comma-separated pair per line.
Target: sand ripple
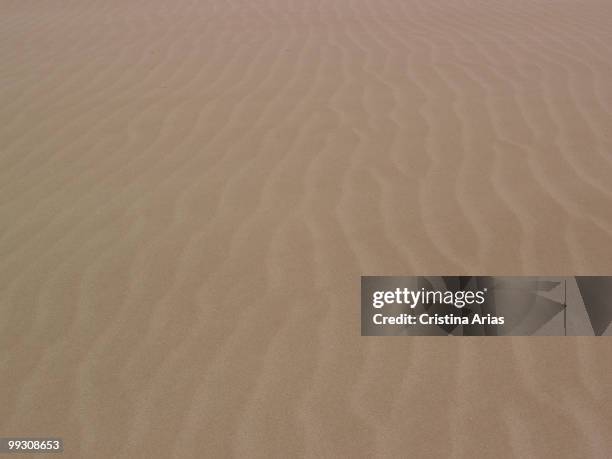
x,y
190,190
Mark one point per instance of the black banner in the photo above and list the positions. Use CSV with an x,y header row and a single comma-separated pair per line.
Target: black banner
x,y
486,306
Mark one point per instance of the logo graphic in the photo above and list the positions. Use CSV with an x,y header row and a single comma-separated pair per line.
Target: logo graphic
x,y
486,306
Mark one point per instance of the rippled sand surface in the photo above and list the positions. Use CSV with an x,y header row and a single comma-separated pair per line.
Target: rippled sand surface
x,y
190,190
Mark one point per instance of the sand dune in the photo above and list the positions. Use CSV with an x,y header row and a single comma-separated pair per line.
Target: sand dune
x,y
190,190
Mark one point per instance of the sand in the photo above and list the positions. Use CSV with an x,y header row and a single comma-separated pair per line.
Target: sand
x,y
191,190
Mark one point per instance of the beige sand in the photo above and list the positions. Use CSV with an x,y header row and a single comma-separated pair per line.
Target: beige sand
x,y
190,191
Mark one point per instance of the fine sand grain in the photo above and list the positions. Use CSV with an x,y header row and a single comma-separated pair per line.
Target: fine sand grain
x,y
190,190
